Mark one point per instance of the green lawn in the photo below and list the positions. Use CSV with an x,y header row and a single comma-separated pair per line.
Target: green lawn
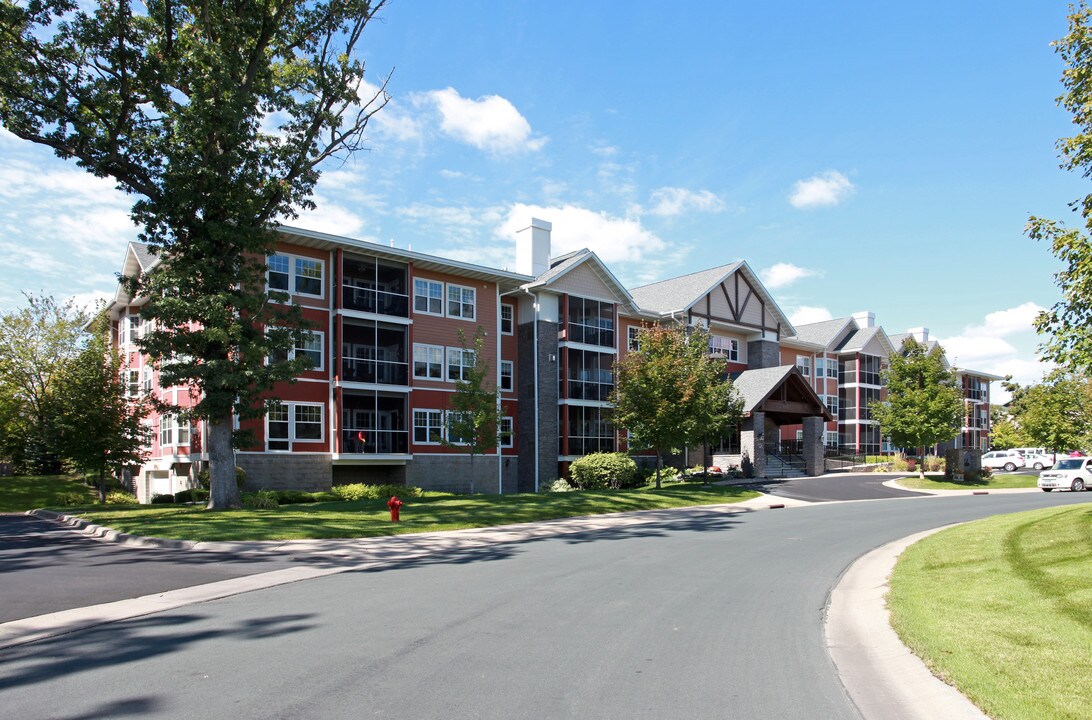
x,y
1002,609
368,518
27,492
997,482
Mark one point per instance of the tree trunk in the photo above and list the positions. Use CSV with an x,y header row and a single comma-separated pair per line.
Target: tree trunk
x,y
921,464
223,488
102,484
659,465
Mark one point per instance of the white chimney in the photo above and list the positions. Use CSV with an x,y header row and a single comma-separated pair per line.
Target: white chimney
x,y
533,248
865,319
921,334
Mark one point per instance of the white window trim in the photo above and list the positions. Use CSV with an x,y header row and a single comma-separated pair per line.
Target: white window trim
x,y
511,376
443,363
507,441
443,297
292,276
512,308
292,439
447,301
442,427
321,365
447,363
633,338
733,350
803,362
447,427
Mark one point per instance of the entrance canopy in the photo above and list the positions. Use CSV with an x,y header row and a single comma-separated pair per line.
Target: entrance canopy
x,y
781,393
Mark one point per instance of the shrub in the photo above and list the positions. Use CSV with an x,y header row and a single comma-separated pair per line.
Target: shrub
x,y
355,491
294,497
603,470
558,485
120,498
384,492
326,497
934,463
261,500
191,495
911,465
360,491
72,498
205,482
163,499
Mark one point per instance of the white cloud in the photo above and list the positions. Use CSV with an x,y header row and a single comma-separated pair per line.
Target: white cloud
x,y
783,274
829,188
328,217
613,239
806,314
668,201
489,123
1007,322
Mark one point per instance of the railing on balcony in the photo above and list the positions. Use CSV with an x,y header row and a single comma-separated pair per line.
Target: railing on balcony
x,y
379,302
588,445
365,441
378,372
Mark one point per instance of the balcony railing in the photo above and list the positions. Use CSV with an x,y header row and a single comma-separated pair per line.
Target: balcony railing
x,y
378,302
365,441
588,445
379,372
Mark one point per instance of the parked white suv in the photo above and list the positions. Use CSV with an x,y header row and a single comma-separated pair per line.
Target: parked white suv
x,y
1068,474
1037,458
1003,460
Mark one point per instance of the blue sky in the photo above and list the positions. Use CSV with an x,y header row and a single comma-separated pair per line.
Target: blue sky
x,y
858,155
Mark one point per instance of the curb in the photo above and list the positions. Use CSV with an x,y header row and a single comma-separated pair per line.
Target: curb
x,y
881,676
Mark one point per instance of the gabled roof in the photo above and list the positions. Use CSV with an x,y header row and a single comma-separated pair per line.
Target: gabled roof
x,y
857,341
757,386
822,333
680,294
564,264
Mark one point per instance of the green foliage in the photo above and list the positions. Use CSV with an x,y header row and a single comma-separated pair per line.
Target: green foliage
x,y
69,499
1055,413
294,497
360,491
191,495
1066,328
475,417
36,341
924,402
118,497
603,470
260,500
557,485
670,393
162,499
218,117
240,477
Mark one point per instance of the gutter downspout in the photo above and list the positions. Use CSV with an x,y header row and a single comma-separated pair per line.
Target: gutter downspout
x,y
500,459
534,332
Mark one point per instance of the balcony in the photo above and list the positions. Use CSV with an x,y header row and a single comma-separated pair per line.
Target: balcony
x,y
374,353
375,287
365,441
378,372
377,302
374,424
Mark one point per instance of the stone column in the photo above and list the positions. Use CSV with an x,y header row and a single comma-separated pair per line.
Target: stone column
x,y
763,354
752,445
813,445
546,440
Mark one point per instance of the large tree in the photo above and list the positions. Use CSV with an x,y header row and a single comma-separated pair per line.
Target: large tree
x,y
99,424
1055,413
474,424
1066,327
924,403
217,116
670,393
35,343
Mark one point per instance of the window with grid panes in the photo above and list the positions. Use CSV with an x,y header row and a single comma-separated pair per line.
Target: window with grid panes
x,y
460,302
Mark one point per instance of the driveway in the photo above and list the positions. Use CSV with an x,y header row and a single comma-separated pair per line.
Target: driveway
x,y
46,568
836,486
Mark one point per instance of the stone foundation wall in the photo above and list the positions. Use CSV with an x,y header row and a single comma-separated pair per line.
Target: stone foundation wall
x,y
451,473
286,472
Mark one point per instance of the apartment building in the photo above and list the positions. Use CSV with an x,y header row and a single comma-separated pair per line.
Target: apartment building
x,y
392,332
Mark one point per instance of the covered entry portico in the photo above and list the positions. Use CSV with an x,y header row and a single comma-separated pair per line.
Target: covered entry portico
x,y
773,397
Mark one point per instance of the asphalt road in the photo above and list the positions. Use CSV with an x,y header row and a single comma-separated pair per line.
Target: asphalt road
x,y
706,614
45,567
866,486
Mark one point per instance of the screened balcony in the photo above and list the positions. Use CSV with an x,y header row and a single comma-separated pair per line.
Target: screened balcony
x,y
374,353
374,424
372,286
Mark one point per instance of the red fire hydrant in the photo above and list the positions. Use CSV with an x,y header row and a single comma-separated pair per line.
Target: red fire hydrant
x,y
395,505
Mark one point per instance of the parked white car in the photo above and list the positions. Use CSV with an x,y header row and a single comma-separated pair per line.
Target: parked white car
x,y
1067,474
1003,460
1036,458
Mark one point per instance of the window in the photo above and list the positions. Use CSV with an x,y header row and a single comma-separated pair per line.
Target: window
x,y
591,374
123,331
832,368
133,388
299,275
819,369
459,363
146,384
460,302
633,338
832,404
870,370
804,363
724,347
428,427
506,432
183,427
506,375
428,296
799,436
453,434
310,345
591,322
278,272
290,423
428,362
136,328
166,431
507,313
832,438
589,430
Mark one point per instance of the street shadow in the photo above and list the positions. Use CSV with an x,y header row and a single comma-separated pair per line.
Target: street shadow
x,y
130,641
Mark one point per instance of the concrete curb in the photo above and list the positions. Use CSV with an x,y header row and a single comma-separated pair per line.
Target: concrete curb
x,y
883,678
969,491
327,557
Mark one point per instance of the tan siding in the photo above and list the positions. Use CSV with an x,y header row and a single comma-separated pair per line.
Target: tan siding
x,y
582,281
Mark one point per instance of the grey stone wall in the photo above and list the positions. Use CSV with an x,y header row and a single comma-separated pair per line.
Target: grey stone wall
x,y
814,456
763,354
370,474
548,430
452,473
752,441
272,471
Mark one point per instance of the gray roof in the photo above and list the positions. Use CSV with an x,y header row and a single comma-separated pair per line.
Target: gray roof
x,y
755,386
564,263
899,338
856,341
143,255
561,265
822,333
680,292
